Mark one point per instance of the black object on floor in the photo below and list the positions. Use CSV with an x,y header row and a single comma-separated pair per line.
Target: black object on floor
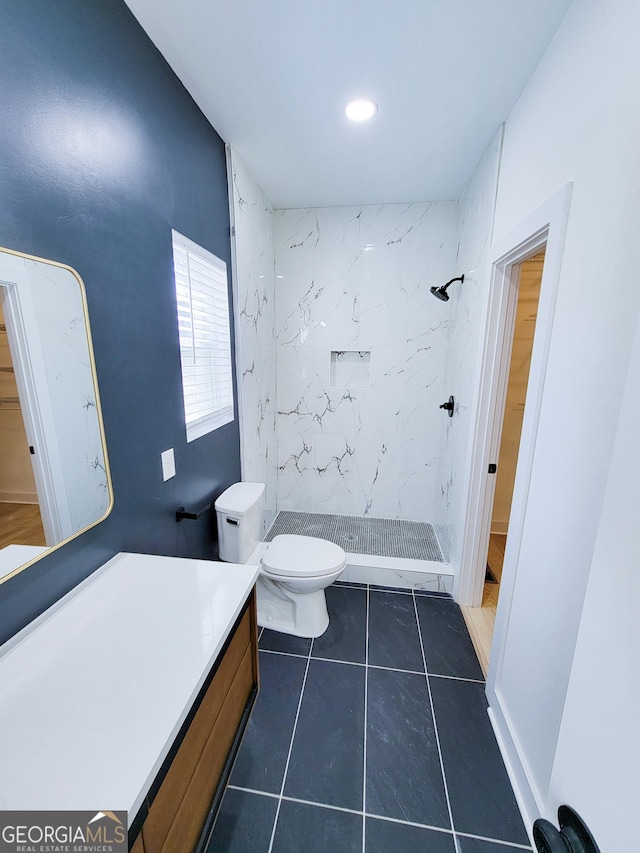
x,y
574,835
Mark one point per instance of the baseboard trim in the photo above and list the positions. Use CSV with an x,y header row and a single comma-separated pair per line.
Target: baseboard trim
x,y
18,498
525,795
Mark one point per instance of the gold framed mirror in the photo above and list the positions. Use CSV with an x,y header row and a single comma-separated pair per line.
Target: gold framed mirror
x,y
54,473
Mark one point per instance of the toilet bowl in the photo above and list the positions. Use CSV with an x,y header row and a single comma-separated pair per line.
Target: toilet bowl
x,y
294,570
294,573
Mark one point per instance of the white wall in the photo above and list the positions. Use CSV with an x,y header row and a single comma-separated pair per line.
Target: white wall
x,y
357,279
467,311
254,297
598,754
578,120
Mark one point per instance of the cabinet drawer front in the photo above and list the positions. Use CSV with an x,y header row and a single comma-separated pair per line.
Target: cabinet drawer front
x,y
175,784
185,830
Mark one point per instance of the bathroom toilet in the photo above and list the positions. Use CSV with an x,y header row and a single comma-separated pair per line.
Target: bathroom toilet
x,y
294,570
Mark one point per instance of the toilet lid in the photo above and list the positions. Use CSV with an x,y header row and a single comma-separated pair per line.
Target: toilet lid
x,y
302,556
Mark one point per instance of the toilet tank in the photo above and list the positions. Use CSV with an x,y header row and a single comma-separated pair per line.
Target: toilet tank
x,y
239,518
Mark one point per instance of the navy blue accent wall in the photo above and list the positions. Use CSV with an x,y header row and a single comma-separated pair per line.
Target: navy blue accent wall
x,y
102,153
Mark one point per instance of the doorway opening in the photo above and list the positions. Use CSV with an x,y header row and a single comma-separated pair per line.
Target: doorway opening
x,y
544,228
526,278
20,518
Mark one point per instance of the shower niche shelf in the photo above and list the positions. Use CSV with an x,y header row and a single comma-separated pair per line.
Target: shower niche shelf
x,y
350,369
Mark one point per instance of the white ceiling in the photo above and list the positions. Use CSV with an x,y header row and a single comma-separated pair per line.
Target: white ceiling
x,y
273,76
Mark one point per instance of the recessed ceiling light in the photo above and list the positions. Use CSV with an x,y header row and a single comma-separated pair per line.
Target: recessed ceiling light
x,y
361,109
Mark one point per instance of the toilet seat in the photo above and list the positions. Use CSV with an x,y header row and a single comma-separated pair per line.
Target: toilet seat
x,y
302,556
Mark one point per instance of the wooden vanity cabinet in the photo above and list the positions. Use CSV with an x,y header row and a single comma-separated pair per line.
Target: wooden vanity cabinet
x,y
180,808
138,846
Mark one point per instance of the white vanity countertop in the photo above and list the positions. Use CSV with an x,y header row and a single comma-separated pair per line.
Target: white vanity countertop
x,y
95,690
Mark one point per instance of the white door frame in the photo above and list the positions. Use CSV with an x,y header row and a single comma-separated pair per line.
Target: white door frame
x,y
30,375
545,227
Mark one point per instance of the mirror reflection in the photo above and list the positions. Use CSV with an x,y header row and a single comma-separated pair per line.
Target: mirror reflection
x,y
54,476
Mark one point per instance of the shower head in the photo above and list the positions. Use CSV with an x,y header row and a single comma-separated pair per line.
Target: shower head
x,y
441,292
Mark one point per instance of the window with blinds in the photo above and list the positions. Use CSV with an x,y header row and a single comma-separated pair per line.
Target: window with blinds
x,y
205,337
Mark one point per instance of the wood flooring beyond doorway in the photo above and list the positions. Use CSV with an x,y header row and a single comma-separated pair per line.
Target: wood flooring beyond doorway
x,y
481,620
20,524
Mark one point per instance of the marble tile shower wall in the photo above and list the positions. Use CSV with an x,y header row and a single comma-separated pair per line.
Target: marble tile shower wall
x,y
356,280
467,309
254,301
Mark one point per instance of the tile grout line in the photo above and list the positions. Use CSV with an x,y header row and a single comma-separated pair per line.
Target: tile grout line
x,y
364,733
293,734
259,793
409,590
510,845
376,666
290,654
435,725
458,678
428,826
329,806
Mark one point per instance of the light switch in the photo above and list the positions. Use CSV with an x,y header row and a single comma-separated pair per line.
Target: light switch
x,y
168,464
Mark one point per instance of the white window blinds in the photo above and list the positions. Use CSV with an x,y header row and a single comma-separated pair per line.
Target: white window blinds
x,y
205,337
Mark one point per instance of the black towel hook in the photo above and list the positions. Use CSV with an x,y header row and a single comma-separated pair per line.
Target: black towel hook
x,y
182,513
449,406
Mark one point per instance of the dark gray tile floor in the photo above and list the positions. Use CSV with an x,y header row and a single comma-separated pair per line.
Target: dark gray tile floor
x,y
373,738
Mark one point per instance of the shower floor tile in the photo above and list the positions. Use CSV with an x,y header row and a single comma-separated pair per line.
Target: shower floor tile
x,y
383,537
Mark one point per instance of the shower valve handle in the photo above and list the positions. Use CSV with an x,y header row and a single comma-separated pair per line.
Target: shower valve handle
x,y
449,406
